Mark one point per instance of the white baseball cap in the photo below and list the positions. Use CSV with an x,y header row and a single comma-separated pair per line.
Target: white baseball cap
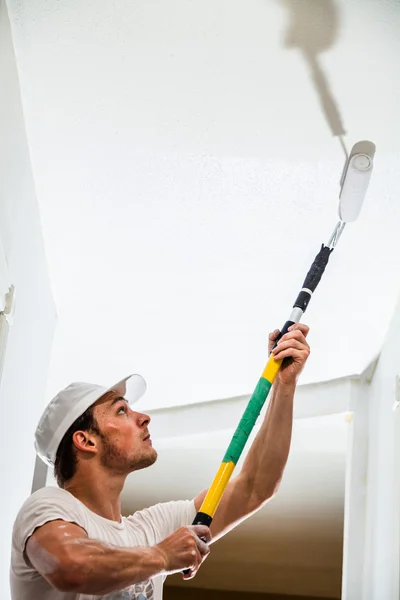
x,y
71,403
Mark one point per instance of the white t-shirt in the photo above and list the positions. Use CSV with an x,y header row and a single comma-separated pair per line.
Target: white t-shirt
x,y
143,529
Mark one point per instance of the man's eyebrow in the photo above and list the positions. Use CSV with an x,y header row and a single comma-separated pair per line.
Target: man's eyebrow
x,y
118,399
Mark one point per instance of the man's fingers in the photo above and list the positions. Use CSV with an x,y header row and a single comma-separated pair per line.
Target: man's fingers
x,y
197,558
271,339
291,343
272,336
192,570
201,531
292,353
301,327
202,546
295,327
295,338
295,334
202,537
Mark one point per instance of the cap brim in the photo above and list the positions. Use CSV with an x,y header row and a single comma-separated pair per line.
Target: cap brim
x,y
132,388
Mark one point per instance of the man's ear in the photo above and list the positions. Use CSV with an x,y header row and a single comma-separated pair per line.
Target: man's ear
x,y
85,441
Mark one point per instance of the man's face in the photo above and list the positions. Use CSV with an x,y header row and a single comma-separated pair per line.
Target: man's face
x,y
125,439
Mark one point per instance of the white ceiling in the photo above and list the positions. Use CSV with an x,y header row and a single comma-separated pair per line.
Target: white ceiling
x,y
187,173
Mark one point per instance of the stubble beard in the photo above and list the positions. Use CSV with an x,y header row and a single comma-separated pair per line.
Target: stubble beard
x,y
112,458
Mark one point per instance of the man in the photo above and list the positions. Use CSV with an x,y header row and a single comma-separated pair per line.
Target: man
x,y
71,543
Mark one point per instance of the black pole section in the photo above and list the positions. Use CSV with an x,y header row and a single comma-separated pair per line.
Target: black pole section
x,y
311,281
317,268
202,519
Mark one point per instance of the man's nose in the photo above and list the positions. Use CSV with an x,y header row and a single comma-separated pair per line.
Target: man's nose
x,y
142,419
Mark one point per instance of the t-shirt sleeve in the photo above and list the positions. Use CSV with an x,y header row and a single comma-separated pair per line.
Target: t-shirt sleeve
x,y
163,519
48,504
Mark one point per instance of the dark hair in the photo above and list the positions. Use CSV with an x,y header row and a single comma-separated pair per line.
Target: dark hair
x,y
66,459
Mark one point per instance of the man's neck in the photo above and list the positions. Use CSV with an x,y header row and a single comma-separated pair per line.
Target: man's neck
x,y
100,493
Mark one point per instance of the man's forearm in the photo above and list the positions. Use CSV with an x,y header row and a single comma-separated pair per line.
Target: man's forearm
x,y
92,567
266,460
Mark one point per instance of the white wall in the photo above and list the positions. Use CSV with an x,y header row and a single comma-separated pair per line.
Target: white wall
x,y
355,490
381,552
371,565
22,391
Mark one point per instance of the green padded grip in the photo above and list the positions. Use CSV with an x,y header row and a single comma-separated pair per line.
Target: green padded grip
x,y
247,421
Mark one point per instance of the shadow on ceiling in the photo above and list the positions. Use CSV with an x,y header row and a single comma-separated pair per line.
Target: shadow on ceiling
x,y
313,28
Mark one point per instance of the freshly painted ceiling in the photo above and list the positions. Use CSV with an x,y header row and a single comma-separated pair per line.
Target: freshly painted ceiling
x,y
187,158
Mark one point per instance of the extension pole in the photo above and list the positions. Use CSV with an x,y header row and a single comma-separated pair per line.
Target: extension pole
x,y
354,184
260,394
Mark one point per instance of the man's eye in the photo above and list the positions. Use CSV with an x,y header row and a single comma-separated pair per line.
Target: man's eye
x,y
123,409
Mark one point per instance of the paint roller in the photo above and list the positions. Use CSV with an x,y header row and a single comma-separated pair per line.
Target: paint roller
x,y
353,187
